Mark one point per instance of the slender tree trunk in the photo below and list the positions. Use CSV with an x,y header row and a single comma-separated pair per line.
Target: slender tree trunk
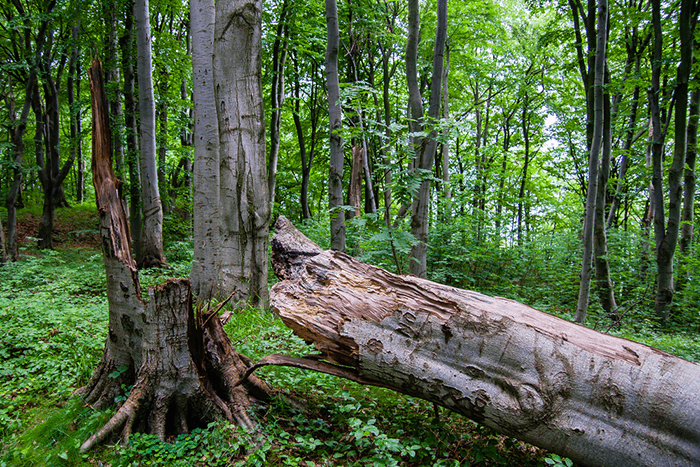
x,y
80,190
426,147
151,250
245,215
51,174
4,256
162,151
355,189
335,121
116,107
279,59
446,191
386,83
13,198
600,244
74,110
593,163
131,129
526,163
206,203
624,162
689,177
667,233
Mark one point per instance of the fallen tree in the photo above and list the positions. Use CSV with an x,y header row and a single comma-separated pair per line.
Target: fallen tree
x,y
597,399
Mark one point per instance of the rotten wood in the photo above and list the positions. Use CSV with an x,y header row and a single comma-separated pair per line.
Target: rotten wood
x,y
597,399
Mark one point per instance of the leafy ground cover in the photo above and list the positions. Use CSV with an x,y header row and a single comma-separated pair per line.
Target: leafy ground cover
x,y
53,320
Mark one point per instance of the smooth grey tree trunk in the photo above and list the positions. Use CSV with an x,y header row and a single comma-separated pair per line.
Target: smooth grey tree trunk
x,y
593,163
151,250
446,190
597,399
4,256
131,128
245,213
689,177
13,198
603,280
666,233
279,60
335,122
425,147
205,203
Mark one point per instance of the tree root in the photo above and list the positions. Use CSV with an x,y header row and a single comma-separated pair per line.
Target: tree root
x,y
186,377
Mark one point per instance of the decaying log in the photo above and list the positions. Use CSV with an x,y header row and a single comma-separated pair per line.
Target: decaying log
x,y
597,399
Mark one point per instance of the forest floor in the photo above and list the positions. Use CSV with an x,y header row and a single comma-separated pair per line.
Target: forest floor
x,y
53,322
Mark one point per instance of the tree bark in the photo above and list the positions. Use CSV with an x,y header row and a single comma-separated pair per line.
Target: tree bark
x,y
335,121
446,190
279,59
525,123
603,280
205,203
4,256
180,365
245,208
13,198
425,147
593,163
131,130
355,188
151,248
689,177
597,399
666,232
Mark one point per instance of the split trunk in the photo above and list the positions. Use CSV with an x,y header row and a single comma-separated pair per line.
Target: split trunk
x,y
180,365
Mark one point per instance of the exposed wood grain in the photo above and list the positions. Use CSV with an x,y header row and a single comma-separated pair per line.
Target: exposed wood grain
x,y
597,399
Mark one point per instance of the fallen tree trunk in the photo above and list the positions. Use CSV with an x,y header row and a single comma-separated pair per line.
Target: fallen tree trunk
x,y
597,399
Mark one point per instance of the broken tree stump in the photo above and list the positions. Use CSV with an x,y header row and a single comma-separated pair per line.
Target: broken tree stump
x,y
178,362
597,399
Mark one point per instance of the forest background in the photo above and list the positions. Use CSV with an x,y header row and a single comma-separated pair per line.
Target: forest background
x,y
509,187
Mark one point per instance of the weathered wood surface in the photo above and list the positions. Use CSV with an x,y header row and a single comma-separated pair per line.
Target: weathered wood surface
x,y
597,399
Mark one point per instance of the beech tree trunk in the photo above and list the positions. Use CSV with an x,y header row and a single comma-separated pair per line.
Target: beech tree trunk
x,y
593,163
606,292
689,177
150,253
245,205
425,146
335,122
4,257
597,399
279,60
205,202
181,367
130,128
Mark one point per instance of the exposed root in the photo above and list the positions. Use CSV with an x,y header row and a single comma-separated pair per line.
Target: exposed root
x,y
125,415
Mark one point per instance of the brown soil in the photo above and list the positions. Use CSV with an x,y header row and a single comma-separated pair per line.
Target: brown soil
x,y
73,228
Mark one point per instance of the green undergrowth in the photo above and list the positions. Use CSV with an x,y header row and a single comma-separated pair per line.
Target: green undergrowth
x,y
53,321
